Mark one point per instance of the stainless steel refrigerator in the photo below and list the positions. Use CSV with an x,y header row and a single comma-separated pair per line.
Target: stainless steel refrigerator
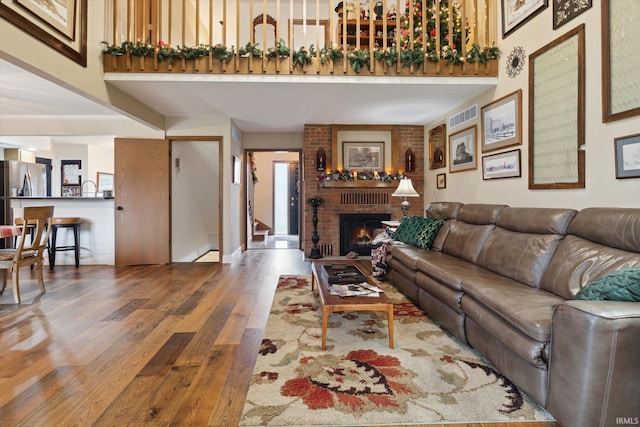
x,y
20,179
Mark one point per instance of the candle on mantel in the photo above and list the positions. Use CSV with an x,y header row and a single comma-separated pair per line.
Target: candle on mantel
x,y
375,175
355,175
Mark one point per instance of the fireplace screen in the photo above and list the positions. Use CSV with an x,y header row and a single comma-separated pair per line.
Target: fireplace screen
x,y
356,232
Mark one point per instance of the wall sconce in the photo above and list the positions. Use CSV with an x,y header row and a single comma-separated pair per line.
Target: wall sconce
x,y
409,161
321,160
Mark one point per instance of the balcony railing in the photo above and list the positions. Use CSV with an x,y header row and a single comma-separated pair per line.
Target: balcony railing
x,y
366,37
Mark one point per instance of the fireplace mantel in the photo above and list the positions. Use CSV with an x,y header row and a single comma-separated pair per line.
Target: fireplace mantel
x,y
361,183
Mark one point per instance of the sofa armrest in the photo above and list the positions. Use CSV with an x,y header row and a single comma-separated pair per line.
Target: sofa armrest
x,y
594,374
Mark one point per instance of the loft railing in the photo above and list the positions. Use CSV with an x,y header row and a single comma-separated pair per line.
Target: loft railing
x,y
385,37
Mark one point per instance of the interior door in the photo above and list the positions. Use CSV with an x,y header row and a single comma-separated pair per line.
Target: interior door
x,y
142,185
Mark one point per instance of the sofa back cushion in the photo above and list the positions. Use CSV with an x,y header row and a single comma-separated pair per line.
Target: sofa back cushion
x,y
442,210
446,211
467,234
615,227
521,245
600,241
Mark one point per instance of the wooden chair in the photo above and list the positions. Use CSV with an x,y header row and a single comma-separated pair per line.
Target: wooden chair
x,y
28,253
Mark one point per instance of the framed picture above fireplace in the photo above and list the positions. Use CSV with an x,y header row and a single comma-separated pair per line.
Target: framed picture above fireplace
x,y
363,156
365,148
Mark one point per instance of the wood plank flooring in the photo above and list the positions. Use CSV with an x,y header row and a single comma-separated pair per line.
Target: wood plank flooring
x,y
170,345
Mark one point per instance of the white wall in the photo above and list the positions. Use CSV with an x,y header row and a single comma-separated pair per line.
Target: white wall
x,y
195,199
218,126
273,141
601,189
100,159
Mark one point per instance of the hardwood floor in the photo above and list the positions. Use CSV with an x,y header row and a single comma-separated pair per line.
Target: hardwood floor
x,y
154,345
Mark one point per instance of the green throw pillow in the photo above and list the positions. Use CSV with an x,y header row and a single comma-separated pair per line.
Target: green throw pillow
x,y
401,232
418,231
620,285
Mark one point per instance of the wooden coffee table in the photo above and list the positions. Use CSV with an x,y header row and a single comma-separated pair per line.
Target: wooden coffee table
x,y
334,303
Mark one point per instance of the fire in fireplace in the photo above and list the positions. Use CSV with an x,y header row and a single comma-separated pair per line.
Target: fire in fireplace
x,y
356,231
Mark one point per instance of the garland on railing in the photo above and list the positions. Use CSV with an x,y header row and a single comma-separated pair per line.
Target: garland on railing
x,y
279,50
330,53
358,58
303,56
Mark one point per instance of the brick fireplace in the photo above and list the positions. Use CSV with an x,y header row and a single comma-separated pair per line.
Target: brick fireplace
x,y
357,231
355,197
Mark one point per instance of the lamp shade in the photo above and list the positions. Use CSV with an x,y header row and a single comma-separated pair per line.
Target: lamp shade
x,y
405,189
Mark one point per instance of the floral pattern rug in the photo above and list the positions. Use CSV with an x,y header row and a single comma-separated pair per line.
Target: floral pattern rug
x,y
429,377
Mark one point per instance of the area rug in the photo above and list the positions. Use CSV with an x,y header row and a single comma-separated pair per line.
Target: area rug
x,y
428,378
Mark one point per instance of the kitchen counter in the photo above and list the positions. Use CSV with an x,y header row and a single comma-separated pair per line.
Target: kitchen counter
x,y
97,231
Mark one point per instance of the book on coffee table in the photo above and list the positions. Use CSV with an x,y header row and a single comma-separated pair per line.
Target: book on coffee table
x,y
355,289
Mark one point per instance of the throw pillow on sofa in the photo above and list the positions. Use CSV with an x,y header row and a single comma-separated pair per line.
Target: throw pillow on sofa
x,y
620,285
418,231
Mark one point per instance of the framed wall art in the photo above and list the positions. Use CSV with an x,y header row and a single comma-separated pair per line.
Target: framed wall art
x,y
565,10
463,150
363,156
502,165
347,139
620,72
502,122
71,172
105,181
517,13
556,113
437,147
61,25
441,181
627,156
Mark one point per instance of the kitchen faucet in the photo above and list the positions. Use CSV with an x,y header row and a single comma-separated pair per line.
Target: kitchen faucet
x,y
95,186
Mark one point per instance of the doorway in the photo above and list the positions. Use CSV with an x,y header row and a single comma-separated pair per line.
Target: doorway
x,y
286,198
273,200
195,201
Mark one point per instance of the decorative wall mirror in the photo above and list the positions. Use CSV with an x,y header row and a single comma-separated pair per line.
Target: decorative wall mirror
x,y
556,113
437,147
265,30
307,33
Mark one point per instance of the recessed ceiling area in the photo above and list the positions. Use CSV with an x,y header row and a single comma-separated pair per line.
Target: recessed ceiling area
x,y
287,103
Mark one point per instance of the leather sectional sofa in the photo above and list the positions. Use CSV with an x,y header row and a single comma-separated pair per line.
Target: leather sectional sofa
x,y
503,280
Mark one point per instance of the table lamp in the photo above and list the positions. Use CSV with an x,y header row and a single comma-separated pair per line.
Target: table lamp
x,y
405,189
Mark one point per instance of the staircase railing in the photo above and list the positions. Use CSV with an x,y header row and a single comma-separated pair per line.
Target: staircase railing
x,y
377,37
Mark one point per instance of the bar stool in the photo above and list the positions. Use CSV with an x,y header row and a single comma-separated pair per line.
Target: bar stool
x,y
57,223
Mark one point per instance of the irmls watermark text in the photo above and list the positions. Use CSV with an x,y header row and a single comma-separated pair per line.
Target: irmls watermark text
x,y
627,421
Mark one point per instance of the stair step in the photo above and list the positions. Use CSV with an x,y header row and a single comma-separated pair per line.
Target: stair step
x,y
260,235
